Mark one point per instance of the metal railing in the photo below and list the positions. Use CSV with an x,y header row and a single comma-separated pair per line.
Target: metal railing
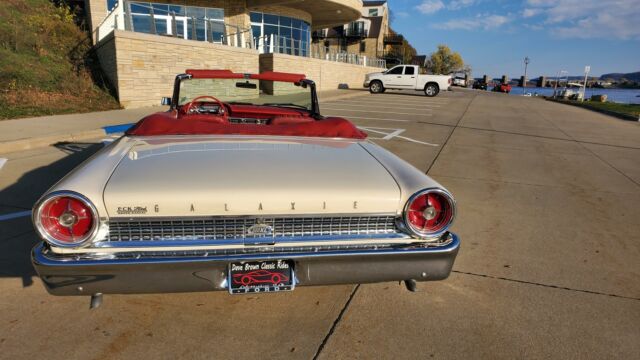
x,y
325,53
273,44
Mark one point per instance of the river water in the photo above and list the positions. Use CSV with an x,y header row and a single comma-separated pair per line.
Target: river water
x,y
626,96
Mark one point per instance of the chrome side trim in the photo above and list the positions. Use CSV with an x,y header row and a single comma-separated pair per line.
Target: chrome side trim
x,y
42,255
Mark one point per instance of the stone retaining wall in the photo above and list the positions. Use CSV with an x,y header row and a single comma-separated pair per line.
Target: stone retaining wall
x,y
327,74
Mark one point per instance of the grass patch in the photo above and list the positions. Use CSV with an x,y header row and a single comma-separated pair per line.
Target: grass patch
x,y
46,64
631,111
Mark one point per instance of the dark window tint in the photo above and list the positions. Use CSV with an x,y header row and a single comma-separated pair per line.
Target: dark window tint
x,y
396,70
409,70
256,17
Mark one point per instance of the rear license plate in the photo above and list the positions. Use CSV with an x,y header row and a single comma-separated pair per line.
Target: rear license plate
x,y
261,276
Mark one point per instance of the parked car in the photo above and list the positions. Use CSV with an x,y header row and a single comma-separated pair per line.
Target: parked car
x,y
503,88
407,77
241,174
480,85
459,81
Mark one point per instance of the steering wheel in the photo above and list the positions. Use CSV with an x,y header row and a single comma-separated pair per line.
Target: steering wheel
x,y
189,105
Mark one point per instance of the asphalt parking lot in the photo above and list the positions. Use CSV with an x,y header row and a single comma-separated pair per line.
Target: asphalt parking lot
x,y
548,214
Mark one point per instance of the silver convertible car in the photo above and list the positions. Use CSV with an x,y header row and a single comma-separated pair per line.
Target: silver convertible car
x,y
241,186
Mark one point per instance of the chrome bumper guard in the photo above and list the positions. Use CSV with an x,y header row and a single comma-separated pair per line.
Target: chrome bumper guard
x,y
68,275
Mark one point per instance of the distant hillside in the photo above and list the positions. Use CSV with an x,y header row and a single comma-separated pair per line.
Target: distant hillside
x,y
634,76
45,62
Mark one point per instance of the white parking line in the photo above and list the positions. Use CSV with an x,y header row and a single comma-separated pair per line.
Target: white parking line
x,y
377,105
393,134
370,118
2,162
378,102
15,215
377,111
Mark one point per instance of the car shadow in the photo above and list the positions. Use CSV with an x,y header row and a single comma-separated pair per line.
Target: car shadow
x,y
17,236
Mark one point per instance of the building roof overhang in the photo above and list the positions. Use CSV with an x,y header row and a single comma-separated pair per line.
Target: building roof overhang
x,y
324,13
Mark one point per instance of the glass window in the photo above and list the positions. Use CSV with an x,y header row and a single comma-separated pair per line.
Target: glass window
x,y
271,19
139,8
285,21
256,17
373,12
293,34
177,9
111,4
396,70
160,9
208,22
141,23
217,31
196,12
216,14
256,30
409,70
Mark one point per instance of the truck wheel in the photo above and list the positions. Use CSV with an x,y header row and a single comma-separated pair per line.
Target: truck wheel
x,y
431,89
376,87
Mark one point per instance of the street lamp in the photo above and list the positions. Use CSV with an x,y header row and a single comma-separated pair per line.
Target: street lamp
x,y
524,81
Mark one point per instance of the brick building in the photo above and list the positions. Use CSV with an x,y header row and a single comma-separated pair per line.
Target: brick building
x,y
142,45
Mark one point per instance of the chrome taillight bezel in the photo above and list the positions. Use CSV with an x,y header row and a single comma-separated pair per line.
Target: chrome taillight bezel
x,y
425,234
83,241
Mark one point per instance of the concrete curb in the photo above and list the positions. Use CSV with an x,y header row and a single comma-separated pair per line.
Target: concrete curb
x,y
44,141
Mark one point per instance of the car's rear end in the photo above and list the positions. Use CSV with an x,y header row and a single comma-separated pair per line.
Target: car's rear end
x,y
173,214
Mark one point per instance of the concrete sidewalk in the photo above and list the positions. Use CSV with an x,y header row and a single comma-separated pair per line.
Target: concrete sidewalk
x,y
30,133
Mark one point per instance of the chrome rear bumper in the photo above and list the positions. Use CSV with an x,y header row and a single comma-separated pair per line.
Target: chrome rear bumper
x,y
66,275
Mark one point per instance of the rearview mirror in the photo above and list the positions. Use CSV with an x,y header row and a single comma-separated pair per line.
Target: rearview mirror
x,y
165,100
246,85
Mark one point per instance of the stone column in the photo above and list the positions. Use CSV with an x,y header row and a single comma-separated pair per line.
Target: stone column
x,y
96,11
542,81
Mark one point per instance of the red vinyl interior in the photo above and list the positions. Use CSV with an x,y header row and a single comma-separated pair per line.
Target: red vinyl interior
x,y
285,122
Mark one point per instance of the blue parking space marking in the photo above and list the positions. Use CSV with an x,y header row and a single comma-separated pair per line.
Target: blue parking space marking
x,y
113,129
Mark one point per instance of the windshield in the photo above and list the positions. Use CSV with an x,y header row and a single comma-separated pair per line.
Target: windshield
x,y
248,91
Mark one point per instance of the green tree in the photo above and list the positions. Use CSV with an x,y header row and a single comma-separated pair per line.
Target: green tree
x,y
444,61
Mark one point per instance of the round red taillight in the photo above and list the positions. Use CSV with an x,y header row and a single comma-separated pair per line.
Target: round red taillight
x,y
66,219
429,212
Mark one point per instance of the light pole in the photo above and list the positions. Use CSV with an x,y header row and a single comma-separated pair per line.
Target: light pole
x,y
524,81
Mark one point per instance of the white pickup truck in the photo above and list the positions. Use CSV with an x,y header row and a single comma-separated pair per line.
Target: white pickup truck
x,y
406,77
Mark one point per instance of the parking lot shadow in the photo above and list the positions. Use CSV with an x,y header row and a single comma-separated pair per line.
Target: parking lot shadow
x,y
17,237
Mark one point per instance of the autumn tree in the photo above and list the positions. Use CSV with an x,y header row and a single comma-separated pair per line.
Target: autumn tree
x,y
444,61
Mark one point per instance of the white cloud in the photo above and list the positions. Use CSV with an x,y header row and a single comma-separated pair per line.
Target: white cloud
x,y
430,6
587,18
481,21
459,4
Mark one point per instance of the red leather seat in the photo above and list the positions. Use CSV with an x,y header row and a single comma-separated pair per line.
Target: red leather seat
x,y
290,120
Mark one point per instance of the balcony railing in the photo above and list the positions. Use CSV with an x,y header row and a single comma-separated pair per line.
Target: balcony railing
x,y
273,44
393,39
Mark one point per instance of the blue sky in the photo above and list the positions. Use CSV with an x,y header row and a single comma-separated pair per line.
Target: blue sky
x,y
494,36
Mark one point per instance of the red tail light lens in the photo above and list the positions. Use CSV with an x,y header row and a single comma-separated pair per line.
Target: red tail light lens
x,y
66,220
429,213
